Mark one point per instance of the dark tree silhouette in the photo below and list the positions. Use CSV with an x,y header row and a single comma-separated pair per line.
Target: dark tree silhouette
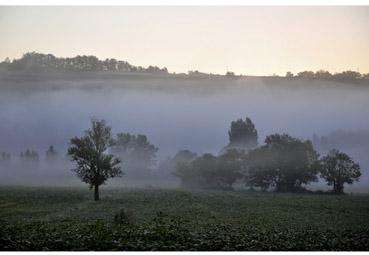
x,y
283,162
289,75
337,168
229,168
242,135
260,168
347,75
198,173
306,74
90,152
230,74
321,74
211,172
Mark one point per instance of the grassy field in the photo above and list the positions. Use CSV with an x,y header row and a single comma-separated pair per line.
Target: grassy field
x,y
170,219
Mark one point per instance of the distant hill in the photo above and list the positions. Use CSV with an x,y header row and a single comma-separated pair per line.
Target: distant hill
x,y
33,61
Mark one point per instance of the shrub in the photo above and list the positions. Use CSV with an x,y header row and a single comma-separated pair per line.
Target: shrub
x,y
123,218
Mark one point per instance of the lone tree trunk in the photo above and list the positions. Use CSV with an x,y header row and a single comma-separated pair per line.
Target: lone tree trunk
x,y
337,187
97,197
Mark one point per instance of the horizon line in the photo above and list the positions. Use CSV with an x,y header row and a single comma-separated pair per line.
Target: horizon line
x,y
227,71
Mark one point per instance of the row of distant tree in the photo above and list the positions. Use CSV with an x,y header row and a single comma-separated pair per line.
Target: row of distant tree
x,y
283,163
29,155
38,61
325,75
137,154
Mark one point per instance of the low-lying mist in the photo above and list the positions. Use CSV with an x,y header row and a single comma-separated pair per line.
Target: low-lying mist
x,y
175,113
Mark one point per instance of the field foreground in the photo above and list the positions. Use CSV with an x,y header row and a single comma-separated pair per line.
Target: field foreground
x,y
155,219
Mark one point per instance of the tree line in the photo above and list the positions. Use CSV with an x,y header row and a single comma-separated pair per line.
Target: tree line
x,y
325,75
283,163
34,61
29,155
137,154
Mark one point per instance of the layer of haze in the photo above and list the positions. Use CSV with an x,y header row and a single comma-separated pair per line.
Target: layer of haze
x,y
248,40
175,113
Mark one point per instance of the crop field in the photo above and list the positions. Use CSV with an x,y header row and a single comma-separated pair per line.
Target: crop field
x,y
173,219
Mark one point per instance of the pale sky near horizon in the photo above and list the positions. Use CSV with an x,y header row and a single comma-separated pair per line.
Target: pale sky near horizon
x,y
247,40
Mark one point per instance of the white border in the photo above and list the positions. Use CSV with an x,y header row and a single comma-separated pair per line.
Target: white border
x,y
187,2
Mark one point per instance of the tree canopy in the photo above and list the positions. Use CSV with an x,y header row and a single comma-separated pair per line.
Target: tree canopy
x,y
94,165
211,172
283,162
337,168
242,134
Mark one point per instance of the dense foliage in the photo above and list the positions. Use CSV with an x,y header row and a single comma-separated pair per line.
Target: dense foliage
x,y
90,152
211,172
284,162
34,61
325,75
242,134
337,168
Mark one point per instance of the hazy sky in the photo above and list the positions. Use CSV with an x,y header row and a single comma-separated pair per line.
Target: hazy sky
x,y
248,40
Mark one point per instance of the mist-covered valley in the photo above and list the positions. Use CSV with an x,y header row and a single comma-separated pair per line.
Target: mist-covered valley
x,y
175,112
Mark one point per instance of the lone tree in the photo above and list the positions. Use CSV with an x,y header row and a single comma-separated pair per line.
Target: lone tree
x,y
337,168
90,152
242,135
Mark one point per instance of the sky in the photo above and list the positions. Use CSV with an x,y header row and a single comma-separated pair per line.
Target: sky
x,y
247,40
